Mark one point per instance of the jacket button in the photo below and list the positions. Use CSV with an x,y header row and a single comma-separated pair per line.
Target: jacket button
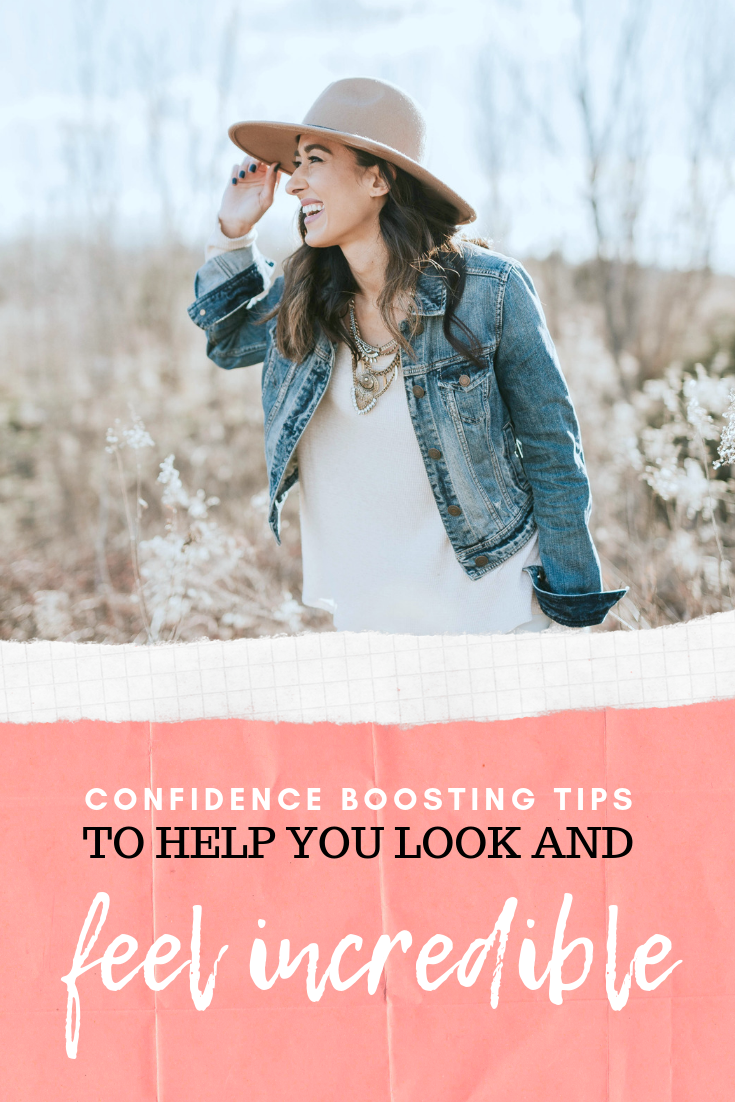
x,y
202,312
434,453
418,392
454,510
464,380
481,560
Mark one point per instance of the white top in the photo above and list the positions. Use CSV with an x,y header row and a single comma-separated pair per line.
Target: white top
x,y
375,552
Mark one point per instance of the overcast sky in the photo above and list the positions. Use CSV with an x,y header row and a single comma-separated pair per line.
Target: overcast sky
x,y
118,109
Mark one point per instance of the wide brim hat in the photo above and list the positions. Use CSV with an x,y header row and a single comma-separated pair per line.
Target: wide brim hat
x,y
373,115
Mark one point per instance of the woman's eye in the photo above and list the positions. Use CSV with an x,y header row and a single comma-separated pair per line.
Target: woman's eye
x,y
312,157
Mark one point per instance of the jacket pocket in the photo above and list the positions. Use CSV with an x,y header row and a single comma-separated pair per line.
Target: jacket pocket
x,y
574,610
513,456
465,388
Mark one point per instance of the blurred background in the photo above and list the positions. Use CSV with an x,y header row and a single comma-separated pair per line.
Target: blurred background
x,y
596,138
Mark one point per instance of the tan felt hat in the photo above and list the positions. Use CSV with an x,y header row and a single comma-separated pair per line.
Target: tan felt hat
x,y
367,114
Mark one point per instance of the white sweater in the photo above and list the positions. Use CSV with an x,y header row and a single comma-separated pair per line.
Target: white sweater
x,y
218,243
375,552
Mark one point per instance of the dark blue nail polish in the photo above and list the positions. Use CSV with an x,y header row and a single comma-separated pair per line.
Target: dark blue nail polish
x,y
241,175
234,179
253,168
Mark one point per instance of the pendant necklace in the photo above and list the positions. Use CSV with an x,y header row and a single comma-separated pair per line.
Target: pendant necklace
x,y
369,382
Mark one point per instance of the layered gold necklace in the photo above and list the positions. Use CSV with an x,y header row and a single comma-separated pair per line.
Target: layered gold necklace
x,y
369,382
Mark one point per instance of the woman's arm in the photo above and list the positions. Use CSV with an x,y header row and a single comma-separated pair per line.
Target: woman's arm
x,y
232,288
232,295
569,587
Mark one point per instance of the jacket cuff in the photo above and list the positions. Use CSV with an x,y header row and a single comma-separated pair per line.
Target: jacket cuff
x,y
574,610
213,307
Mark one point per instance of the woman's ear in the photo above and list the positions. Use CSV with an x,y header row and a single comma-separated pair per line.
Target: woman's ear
x,y
377,183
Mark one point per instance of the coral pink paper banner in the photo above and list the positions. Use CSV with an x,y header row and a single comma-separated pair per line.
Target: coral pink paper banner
x,y
446,1022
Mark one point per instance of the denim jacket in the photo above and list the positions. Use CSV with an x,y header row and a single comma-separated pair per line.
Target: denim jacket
x,y
500,443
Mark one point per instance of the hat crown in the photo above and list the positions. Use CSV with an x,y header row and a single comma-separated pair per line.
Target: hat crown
x,y
372,109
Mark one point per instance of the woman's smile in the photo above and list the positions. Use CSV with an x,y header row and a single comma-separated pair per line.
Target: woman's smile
x,y
312,211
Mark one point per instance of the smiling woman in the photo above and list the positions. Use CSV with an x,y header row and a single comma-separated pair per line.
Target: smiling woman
x,y
457,499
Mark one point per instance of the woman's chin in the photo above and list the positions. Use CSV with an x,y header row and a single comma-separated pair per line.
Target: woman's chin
x,y
318,238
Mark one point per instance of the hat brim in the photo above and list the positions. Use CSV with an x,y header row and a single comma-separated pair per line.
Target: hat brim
x,y
275,142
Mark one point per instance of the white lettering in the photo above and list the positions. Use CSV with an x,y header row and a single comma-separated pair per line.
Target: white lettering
x,y
562,793
622,801
212,799
523,799
426,957
527,959
502,927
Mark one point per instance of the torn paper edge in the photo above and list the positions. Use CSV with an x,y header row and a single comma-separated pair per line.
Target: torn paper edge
x,y
345,677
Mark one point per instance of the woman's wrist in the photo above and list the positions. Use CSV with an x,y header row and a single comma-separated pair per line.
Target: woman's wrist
x,y
234,229
219,242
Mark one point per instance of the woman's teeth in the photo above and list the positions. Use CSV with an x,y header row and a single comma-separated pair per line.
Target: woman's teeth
x,y
311,210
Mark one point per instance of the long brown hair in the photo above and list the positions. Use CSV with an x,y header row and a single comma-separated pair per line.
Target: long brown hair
x,y
419,229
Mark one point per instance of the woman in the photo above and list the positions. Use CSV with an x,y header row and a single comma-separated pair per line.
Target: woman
x,y
409,382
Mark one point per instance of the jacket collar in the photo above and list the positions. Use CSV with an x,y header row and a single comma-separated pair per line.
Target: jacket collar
x,y
430,294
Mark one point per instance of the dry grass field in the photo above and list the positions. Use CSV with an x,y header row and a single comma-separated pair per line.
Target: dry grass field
x,y
132,474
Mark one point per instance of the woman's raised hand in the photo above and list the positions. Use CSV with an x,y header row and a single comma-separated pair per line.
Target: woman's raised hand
x,y
248,196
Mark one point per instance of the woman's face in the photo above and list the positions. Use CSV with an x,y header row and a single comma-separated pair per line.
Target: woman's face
x,y
340,199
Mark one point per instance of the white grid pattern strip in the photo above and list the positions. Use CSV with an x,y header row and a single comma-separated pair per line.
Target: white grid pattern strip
x,y
366,677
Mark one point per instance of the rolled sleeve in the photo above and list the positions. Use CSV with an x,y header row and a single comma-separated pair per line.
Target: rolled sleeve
x,y
227,281
234,289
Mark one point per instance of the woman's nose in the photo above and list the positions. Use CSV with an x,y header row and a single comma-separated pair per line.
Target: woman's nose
x,y
295,183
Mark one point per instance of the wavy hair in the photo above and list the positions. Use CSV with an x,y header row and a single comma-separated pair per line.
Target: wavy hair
x,y
419,229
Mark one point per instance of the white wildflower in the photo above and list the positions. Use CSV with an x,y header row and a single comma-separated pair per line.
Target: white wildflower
x,y
715,573
664,479
197,507
52,613
290,613
174,493
194,579
112,438
135,437
726,447
684,553
693,493
698,417
138,436
662,473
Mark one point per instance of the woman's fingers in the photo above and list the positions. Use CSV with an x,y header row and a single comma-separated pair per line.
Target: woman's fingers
x,y
248,171
252,168
270,182
250,191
